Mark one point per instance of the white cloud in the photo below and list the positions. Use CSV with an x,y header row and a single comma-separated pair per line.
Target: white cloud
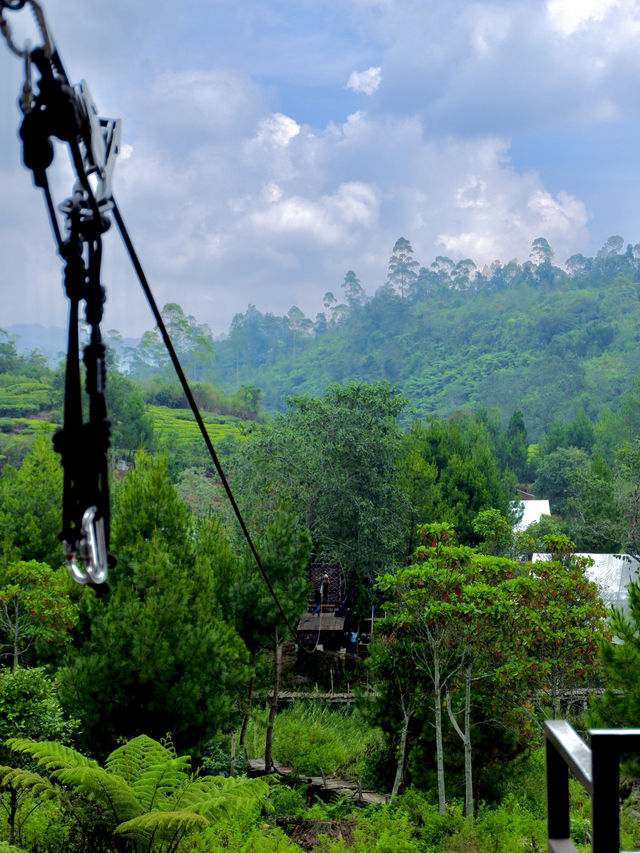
x,y
277,219
365,82
277,130
327,220
243,178
567,16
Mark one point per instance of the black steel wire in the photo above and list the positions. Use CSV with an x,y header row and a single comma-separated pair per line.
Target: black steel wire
x,y
194,406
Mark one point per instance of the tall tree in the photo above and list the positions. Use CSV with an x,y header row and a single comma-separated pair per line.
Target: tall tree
x,y
445,607
352,289
334,460
541,251
402,267
192,341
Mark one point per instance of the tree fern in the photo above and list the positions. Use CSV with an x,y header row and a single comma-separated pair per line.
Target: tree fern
x,y
229,796
162,827
161,782
194,808
134,757
25,780
110,791
51,754
144,791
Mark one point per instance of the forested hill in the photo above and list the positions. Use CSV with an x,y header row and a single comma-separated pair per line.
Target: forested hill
x,y
534,337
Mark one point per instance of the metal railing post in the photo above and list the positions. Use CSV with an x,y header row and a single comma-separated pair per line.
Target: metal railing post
x,y
598,771
605,804
557,793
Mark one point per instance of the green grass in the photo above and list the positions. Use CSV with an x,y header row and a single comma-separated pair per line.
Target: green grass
x,y
17,436
177,431
23,395
310,738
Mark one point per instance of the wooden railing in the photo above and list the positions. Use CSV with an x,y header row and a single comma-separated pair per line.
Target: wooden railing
x,y
598,771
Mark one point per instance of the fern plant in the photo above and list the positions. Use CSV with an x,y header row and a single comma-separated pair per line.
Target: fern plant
x,y
144,791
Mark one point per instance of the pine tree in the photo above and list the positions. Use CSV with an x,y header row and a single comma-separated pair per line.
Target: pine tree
x,y
159,656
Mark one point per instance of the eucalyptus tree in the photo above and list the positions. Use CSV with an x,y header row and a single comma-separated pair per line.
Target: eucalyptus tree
x,y
402,273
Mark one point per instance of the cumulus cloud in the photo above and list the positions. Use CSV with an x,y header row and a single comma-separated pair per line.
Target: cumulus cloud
x,y
247,175
365,82
277,130
569,15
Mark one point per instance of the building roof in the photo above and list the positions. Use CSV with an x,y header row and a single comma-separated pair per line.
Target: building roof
x,y
321,621
532,513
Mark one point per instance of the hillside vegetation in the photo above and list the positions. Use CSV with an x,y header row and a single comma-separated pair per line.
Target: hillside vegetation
x,y
534,336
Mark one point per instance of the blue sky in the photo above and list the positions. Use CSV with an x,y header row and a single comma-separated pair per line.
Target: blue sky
x,y
269,147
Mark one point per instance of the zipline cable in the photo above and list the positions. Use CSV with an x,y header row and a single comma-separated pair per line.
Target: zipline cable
x,y
192,403
69,114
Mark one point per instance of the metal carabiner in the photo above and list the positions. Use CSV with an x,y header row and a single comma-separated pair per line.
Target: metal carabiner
x,y
40,20
92,549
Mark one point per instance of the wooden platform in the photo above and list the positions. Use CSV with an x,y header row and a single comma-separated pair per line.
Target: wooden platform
x,y
323,621
322,784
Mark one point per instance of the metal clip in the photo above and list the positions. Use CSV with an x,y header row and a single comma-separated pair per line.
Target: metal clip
x,y
92,550
40,21
26,98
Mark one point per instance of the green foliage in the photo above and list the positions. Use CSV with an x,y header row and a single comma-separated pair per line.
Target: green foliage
x,y
533,333
559,621
35,609
241,836
380,831
131,423
333,460
29,706
30,507
284,551
619,707
177,432
21,396
452,473
144,792
158,655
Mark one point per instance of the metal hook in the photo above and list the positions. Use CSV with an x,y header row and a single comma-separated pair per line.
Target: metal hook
x,y
40,20
26,98
92,549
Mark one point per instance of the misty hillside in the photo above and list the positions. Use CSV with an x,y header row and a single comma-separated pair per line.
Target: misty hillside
x,y
532,336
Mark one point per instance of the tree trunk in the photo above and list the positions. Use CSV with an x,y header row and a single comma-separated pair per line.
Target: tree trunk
x,y
437,696
268,757
465,737
13,809
468,774
16,634
232,762
402,750
247,716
